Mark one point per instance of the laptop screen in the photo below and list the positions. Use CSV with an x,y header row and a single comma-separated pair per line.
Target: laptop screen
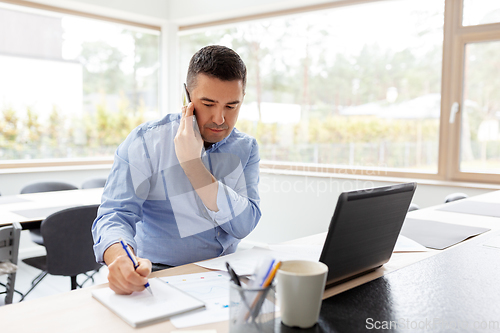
x,y
364,230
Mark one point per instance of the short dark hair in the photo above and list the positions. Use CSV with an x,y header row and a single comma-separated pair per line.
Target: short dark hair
x,y
217,61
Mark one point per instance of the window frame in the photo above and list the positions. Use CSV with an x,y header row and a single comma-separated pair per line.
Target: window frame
x,y
458,36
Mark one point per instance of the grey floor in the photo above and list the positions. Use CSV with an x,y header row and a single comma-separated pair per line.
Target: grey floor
x,y
50,285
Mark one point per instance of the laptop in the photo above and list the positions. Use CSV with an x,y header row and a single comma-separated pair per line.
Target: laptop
x,y
364,230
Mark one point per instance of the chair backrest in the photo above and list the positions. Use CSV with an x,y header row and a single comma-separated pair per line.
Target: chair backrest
x,y
68,240
455,197
413,206
47,187
94,183
9,242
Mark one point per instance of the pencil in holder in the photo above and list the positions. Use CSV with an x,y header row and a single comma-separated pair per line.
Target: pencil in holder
x,y
251,309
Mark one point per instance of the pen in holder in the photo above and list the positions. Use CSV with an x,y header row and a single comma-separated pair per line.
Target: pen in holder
x,y
251,309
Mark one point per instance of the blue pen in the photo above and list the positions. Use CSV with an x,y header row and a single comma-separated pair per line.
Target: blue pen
x,y
134,261
267,273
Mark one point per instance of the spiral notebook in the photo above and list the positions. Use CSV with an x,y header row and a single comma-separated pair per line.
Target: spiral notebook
x,y
142,308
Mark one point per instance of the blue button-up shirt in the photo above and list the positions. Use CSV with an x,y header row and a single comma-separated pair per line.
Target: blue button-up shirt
x,y
149,201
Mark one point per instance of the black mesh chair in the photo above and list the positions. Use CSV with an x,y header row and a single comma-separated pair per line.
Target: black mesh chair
x,y
47,187
44,187
9,249
68,240
455,196
413,206
94,183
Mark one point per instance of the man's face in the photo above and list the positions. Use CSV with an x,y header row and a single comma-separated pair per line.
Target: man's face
x,y
217,105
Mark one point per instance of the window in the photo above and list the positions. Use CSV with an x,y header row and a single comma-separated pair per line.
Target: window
x,y
352,87
399,88
480,138
72,88
481,12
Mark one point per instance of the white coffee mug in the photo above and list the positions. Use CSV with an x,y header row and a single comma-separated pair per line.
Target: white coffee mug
x,y
300,286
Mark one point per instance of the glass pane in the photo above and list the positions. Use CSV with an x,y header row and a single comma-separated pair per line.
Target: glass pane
x,y
356,86
72,87
481,12
480,142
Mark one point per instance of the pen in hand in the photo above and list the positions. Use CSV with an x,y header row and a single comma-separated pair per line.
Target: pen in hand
x,y
134,262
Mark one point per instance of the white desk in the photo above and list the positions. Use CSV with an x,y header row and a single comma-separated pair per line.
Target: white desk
x,y
35,207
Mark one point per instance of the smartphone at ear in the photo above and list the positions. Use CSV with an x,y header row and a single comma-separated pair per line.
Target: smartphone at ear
x,y
186,101
188,98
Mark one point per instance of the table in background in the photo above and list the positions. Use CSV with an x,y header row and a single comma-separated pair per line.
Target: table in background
x,y
29,209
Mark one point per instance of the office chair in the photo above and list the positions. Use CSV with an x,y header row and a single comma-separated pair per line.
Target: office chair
x,y
68,240
455,197
44,187
94,183
413,206
9,249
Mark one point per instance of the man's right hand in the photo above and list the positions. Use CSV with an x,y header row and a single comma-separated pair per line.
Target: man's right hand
x,y
123,278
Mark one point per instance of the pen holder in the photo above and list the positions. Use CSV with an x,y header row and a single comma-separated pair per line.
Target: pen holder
x,y
251,309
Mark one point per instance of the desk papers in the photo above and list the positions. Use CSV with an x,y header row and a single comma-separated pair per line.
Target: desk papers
x,y
405,244
244,262
493,242
473,207
210,287
438,235
142,308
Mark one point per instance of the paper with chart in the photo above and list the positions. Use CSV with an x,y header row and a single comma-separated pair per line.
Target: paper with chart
x,y
212,288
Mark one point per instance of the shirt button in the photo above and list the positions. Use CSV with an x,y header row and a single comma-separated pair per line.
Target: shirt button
x,y
218,234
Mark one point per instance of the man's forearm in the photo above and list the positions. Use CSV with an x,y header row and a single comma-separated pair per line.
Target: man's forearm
x,y
203,182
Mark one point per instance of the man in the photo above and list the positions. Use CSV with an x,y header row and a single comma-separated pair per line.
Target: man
x,y
180,192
